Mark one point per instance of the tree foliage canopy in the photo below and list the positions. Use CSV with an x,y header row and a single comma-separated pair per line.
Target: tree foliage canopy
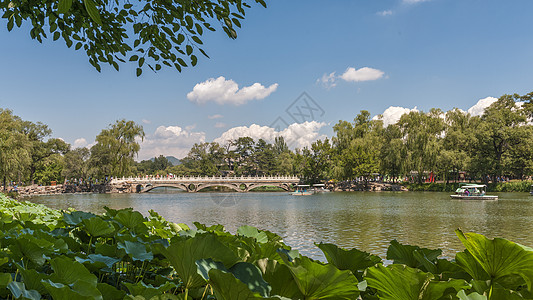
x,y
146,32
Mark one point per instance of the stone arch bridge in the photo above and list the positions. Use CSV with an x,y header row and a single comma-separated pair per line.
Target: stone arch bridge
x,y
195,184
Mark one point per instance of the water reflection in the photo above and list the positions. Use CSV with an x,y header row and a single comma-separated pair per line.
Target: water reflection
x,y
367,221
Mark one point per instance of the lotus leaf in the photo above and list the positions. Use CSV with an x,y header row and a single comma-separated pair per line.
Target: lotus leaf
x,y
97,227
148,291
353,260
498,257
400,282
33,280
98,262
319,281
19,291
184,254
110,292
413,256
76,217
80,290
137,251
280,279
473,296
68,271
133,220
227,287
252,232
205,265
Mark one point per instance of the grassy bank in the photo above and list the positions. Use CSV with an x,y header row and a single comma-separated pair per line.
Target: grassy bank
x,y
50,254
510,186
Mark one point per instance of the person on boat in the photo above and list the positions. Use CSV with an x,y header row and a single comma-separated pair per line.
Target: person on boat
x,y
467,193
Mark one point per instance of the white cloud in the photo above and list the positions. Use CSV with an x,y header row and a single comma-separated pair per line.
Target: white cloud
x,y
213,117
146,121
385,13
220,125
479,107
79,143
297,135
169,140
224,91
393,114
363,74
328,80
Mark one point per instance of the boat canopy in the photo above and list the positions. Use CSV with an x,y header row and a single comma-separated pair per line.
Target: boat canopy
x,y
474,186
303,185
319,184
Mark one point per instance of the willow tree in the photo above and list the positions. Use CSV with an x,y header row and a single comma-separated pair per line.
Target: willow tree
x,y
145,32
115,149
14,147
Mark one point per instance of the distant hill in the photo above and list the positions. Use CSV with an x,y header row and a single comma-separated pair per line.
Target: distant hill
x,y
174,161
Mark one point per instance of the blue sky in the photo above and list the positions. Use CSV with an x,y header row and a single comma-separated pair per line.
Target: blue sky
x,y
423,54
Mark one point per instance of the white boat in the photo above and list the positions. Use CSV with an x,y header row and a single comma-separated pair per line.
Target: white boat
x,y
473,192
303,190
320,188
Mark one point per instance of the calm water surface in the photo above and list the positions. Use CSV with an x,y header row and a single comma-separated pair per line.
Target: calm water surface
x,y
367,221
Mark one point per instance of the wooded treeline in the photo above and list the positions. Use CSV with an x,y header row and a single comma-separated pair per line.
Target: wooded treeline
x,y
444,145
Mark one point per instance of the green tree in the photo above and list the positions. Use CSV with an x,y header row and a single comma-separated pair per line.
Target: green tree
x,y
317,161
393,153
115,148
14,147
75,163
158,32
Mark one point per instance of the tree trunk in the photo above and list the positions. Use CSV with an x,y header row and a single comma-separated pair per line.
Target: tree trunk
x,y
4,183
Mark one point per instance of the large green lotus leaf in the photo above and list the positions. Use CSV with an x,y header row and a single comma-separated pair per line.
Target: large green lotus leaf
x,y
5,280
250,275
280,278
405,254
227,287
450,269
252,232
472,296
96,262
318,281
109,250
400,282
353,260
184,254
288,255
32,279
97,227
212,228
110,292
136,251
440,289
80,290
469,263
505,294
67,271
3,260
24,248
499,257
133,220
147,290
19,291
76,217
205,265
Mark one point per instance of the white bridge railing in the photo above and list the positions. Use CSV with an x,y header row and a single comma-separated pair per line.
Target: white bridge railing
x,y
205,179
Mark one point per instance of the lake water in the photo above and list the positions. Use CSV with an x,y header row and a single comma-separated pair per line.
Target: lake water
x,y
364,220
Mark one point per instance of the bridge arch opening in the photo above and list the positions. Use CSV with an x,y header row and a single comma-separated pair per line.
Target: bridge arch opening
x,y
219,187
138,188
269,188
160,188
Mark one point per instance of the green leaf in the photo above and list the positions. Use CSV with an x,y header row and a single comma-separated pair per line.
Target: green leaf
x,y
90,6
227,287
136,251
67,271
184,254
252,232
19,291
250,275
97,227
76,217
280,279
473,296
139,72
80,290
131,219
498,257
317,281
400,282
148,291
110,292
405,254
64,6
353,260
